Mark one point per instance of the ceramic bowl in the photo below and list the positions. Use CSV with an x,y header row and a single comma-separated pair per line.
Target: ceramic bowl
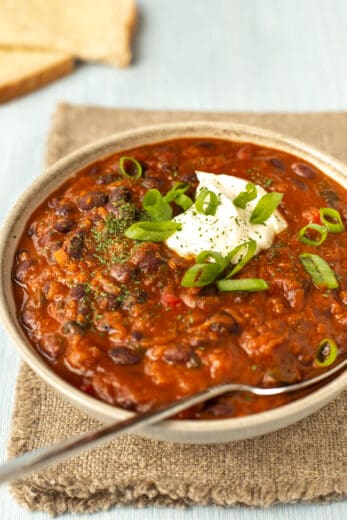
x,y
187,431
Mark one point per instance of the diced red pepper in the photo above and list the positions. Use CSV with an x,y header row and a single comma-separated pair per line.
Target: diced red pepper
x,y
311,216
170,300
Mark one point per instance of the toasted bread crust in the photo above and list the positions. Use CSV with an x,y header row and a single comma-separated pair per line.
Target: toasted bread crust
x,y
90,34
38,77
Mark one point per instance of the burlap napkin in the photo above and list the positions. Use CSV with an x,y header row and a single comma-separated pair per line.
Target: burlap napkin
x,y
305,461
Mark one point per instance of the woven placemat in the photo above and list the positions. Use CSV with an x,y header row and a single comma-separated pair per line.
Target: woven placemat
x,y
305,461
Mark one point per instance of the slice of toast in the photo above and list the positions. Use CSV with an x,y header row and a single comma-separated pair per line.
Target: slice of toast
x,y
92,30
22,71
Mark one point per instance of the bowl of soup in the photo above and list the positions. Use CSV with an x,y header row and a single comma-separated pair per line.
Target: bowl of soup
x,y
158,262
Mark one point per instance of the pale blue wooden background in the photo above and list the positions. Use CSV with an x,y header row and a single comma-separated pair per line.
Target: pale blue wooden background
x,y
193,54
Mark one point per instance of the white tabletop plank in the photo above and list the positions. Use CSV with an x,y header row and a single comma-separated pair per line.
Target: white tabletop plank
x,y
197,54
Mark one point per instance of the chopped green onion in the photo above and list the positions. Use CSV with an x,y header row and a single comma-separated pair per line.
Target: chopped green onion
x,y
321,230
265,207
217,257
319,270
332,220
177,195
206,202
251,247
200,275
326,353
244,197
243,284
152,231
135,165
184,201
177,188
155,205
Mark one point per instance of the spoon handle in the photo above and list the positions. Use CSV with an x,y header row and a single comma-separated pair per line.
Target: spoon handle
x,y
33,461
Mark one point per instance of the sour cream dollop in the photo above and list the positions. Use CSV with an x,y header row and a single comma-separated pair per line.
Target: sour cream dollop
x,y
229,227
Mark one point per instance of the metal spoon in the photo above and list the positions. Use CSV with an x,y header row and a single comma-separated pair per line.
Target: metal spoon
x,y
33,461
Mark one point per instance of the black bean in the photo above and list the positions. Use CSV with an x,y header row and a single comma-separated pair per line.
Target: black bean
x,y
277,163
64,225
128,404
147,258
299,184
32,230
73,327
65,209
120,194
218,408
29,319
92,199
152,182
136,335
22,270
330,196
303,170
112,302
130,300
108,178
78,292
122,273
222,322
209,290
178,354
151,263
123,355
75,245
187,177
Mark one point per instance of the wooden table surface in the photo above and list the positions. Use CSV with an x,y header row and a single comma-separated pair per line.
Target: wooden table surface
x,y
198,54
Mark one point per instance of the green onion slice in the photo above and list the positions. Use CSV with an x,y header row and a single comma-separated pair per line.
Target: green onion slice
x,y
326,353
177,189
155,205
251,247
265,207
206,202
245,197
319,270
177,195
183,201
200,275
332,220
217,257
243,284
321,230
135,171
152,231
